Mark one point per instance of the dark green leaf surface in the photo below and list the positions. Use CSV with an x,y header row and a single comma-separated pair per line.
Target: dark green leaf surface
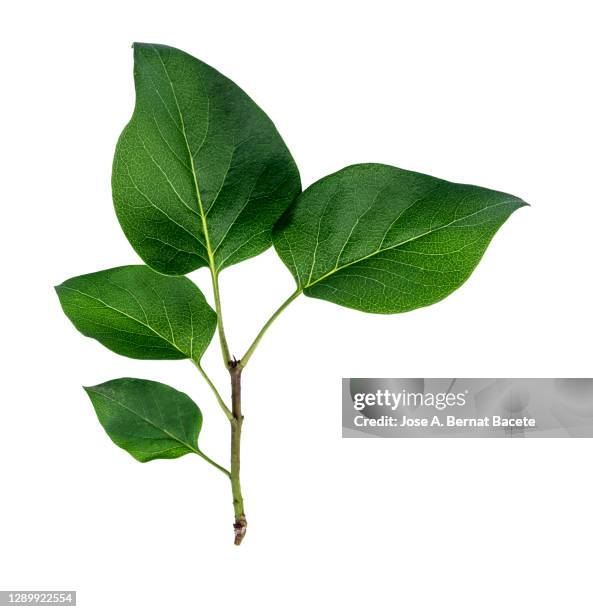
x,y
146,418
380,239
200,173
140,313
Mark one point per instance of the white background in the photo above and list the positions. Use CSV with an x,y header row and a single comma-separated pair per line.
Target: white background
x,y
493,93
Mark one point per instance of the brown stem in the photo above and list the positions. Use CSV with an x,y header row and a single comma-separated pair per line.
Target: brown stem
x,y
240,524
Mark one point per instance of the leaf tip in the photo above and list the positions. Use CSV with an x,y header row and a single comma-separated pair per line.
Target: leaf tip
x,y
516,203
88,389
521,203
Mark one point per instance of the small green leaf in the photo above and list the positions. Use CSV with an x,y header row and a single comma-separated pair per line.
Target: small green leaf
x,y
137,312
200,174
380,239
146,418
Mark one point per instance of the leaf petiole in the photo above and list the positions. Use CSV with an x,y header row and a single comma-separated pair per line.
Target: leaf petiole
x,y
267,325
212,386
212,462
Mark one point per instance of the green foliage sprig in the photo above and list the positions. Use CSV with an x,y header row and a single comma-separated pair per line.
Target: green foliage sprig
x,y
201,178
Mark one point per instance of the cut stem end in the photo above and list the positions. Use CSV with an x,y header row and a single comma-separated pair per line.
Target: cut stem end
x,y
240,527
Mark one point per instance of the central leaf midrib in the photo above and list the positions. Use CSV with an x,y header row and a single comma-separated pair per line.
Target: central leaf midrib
x,y
192,165
394,246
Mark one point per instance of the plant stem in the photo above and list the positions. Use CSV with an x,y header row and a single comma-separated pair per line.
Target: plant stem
x,y
235,415
240,524
212,386
226,355
267,324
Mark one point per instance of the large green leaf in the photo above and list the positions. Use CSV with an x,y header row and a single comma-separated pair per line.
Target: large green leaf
x,y
140,313
146,418
200,173
380,239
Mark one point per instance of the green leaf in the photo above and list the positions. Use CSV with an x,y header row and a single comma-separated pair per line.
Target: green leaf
x,y
146,418
200,173
381,239
137,312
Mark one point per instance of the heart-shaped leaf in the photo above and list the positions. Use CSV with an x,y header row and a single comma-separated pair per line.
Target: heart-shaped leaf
x,y
200,173
380,239
146,418
137,312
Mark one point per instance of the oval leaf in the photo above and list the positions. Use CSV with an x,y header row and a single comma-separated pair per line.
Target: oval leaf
x,y
146,418
384,240
200,173
137,312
